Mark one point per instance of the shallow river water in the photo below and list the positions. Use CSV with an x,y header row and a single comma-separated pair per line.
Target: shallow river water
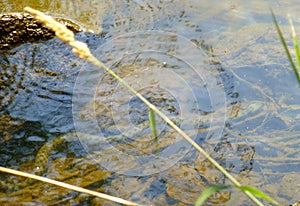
x,y
216,68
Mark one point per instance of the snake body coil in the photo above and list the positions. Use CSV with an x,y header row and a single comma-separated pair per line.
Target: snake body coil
x,y
39,165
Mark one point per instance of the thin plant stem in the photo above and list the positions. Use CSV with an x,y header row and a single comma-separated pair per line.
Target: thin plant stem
x,y
96,62
68,186
83,51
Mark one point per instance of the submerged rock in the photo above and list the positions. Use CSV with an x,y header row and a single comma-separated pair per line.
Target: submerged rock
x,y
20,28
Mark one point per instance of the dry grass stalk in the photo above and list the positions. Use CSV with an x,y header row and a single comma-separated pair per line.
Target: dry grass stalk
x,y
61,31
68,186
83,51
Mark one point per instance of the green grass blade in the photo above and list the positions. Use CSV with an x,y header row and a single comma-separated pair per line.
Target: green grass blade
x,y
207,192
296,44
152,123
285,46
82,50
257,193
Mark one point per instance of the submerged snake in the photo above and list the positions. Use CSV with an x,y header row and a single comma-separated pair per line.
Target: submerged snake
x,y
40,164
28,30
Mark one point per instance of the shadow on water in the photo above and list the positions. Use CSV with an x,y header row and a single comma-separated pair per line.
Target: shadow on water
x,y
233,81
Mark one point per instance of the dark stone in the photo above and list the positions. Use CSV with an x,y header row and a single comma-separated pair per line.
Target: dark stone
x,y
20,28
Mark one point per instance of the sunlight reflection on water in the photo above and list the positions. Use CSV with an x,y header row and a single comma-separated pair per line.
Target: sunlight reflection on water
x,y
240,37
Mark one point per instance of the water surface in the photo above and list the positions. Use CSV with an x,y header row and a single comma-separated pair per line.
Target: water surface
x,y
219,63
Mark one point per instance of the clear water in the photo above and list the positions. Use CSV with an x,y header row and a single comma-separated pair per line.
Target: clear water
x,y
218,63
